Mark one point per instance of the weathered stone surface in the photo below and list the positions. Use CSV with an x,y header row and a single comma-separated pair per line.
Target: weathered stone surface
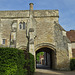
x,y
46,13
42,29
14,14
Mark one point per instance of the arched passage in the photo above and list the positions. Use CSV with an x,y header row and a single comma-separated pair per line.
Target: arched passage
x,y
49,57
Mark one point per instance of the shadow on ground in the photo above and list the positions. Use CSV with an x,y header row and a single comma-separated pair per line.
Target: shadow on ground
x,y
39,66
39,73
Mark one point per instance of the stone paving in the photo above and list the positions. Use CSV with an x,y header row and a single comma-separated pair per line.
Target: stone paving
x,y
39,66
51,72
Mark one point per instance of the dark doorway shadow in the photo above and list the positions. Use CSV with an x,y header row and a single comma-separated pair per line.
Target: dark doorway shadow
x,y
40,66
48,61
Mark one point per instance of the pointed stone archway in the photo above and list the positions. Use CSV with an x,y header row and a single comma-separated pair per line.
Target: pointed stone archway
x,y
50,54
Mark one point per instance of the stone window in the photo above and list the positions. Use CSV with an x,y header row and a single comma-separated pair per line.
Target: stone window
x,y
3,41
22,25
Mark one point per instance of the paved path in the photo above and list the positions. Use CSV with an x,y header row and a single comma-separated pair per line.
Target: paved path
x,y
50,72
39,66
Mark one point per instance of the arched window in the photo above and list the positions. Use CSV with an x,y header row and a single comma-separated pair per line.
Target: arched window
x,y
20,25
23,25
3,42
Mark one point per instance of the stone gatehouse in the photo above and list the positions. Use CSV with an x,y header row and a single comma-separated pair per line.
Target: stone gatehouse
x,y
34,31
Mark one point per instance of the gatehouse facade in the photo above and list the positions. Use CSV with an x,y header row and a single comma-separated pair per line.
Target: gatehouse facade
x,y
35,31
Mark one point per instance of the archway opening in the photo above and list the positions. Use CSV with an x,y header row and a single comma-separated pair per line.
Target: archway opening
x,y
45,58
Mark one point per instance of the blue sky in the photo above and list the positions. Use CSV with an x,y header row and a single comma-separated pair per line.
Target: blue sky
x,y
66,9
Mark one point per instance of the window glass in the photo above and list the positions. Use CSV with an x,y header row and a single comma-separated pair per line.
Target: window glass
x,y
23,25
20,25
3,41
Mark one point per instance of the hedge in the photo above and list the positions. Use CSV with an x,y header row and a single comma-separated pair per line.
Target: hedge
x,y
15,62
72,64
29,64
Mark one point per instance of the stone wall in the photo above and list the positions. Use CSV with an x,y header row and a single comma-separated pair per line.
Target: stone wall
x,y
5,31
22,40
46,13
14,14
73,45
44,26
62,54
45,30
73,52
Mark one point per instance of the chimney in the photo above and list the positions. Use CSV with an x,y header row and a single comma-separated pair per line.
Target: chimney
x,y
31,6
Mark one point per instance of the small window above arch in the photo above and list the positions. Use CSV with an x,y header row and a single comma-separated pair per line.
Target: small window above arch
x,y
22,25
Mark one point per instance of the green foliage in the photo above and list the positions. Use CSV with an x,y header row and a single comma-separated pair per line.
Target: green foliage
x,y
8,64
12,62
72,64
31,64
38,55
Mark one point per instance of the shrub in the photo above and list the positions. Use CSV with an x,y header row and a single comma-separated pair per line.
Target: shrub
x,y
15,62
20,63
29,63
8,59
72,64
